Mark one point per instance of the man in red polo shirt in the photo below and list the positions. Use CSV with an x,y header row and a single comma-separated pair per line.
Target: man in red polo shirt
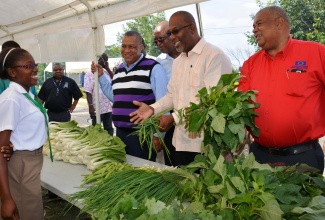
x,y
290,78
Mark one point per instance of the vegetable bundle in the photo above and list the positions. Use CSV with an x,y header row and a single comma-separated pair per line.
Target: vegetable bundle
x,y
141,183
91,146
223,114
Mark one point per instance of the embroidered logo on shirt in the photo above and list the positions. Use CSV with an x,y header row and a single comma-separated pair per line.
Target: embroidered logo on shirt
x,y
66,85
299,67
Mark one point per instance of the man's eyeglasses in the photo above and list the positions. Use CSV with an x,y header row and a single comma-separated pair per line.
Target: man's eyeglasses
x,y
161,40
28,66
177,30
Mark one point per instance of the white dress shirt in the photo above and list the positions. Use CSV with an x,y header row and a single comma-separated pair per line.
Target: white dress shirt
x,y
201,68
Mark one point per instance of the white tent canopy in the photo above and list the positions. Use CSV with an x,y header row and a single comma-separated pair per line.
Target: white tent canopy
x,y
78,67
69,30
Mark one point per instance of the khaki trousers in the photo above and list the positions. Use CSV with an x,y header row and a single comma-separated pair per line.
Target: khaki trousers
x,y
24,169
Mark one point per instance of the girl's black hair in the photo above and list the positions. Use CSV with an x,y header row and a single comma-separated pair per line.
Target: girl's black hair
x,y
15,55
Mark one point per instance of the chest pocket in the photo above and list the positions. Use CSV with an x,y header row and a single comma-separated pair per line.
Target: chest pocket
x,y
297,83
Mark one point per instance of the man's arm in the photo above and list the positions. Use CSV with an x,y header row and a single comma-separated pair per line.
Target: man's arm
x,y
111,74
73,106
91,107
158,81
104,82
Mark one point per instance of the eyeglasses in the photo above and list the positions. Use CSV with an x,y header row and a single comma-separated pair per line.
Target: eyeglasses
x,y
161,40
28,66
177,30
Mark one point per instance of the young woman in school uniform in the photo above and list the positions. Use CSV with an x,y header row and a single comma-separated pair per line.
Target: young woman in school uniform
x,y
24,125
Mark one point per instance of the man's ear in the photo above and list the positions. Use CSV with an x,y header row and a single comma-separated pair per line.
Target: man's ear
x,y
141,47
193,27
280,23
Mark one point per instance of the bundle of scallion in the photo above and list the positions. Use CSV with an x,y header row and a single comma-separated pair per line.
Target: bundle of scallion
x,y
91,146
148,129
141,183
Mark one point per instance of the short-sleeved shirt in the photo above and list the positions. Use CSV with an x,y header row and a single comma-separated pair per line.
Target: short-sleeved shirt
x,y
23,118
291,93
58,96
89,84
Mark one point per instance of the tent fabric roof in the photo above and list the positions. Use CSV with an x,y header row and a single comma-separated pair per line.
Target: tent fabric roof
x,y
69,30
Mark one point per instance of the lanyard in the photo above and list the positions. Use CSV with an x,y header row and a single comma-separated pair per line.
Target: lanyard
x,y
39,105
57,86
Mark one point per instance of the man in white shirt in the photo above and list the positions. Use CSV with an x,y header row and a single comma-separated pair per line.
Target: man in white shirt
x,y
199,65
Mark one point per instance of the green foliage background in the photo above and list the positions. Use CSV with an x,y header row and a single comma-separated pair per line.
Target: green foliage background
x,y
145,26
307,18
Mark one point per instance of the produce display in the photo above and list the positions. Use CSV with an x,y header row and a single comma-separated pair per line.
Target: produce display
x,y
243,189
91,146
210,187
223,114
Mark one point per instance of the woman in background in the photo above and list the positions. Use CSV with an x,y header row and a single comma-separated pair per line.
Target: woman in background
x,y
23,123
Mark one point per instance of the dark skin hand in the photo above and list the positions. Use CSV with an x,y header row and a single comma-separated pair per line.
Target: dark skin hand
x,y
7,151
9,209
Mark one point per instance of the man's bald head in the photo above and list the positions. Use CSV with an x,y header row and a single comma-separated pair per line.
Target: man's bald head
x,y
162,27
162,40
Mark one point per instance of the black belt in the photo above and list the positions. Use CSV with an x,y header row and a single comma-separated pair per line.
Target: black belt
x,y
285,151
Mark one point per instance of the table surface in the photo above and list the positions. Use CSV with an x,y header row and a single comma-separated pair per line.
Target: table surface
x,y
64,178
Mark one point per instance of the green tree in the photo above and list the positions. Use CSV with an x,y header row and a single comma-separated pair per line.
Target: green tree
x,y
113,51
41,74
145,26
307,18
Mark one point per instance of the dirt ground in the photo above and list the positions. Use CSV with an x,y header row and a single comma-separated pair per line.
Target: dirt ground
x,y
59,209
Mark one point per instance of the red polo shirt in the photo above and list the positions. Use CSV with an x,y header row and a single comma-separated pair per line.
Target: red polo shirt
x,y
291,93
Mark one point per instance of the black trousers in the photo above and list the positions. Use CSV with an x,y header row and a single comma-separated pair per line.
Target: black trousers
x,y
313,157
170,158
133,146
64,116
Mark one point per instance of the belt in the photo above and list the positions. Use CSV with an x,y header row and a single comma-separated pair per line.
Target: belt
x,y
36,152
285,151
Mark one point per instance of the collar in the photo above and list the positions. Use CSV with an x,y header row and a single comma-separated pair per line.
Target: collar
x,y
284,51
19,88
198,48
133,64
165,56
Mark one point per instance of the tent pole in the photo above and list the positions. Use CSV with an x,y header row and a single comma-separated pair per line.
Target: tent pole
x,y
198,11
94,27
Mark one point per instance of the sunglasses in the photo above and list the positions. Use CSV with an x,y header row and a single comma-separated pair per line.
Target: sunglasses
x,y
161,40
177,30
28,66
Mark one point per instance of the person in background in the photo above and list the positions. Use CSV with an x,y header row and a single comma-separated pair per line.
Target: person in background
x,y
289,76
137,78
166,59
82,79
104,104
23,123
57,94
199,65
4,83
105,64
